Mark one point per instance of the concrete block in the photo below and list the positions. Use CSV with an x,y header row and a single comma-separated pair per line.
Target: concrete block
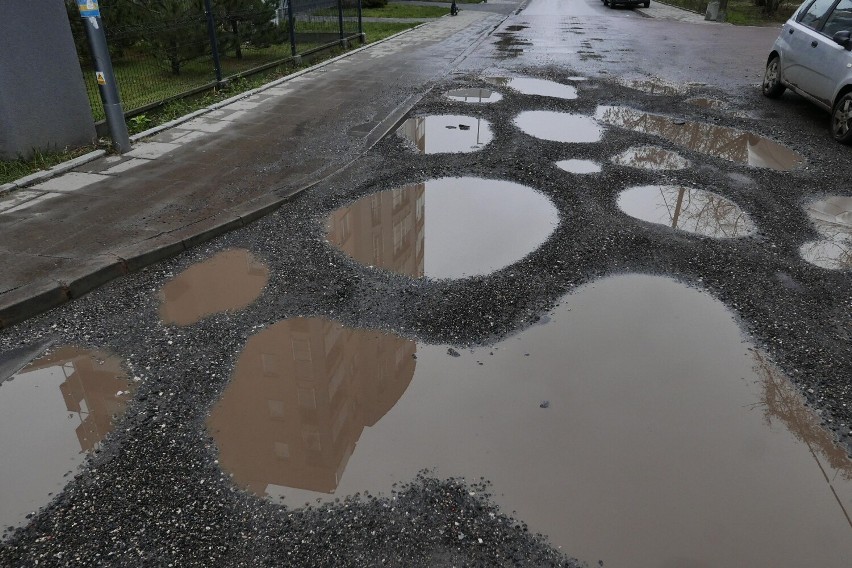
x,y
30,300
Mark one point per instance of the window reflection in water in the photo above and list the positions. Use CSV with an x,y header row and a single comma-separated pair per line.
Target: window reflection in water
x,y
301,395
385,230
718,141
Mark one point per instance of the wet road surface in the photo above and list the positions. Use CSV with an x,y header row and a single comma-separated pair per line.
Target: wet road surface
x,y
639,394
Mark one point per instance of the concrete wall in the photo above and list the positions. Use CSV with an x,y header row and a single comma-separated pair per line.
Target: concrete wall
x,y
43,102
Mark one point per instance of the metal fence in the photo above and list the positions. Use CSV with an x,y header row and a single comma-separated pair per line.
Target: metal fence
x,y
165,49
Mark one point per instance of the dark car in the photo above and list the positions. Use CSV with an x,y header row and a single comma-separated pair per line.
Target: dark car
x,y
612,3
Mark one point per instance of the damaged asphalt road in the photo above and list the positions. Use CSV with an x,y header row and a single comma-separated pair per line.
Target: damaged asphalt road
x,y
154,494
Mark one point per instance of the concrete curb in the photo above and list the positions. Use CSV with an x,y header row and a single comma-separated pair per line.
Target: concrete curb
x,y
26,302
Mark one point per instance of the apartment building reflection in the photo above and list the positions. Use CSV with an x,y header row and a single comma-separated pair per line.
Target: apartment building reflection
x,y
385,229
302,393
90,390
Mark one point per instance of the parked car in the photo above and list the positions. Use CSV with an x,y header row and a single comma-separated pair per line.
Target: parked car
x,y
813,57
612,3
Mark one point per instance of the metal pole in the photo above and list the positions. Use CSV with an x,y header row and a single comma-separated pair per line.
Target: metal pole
x,y
91,14
340,16
360,23
292,21
214,45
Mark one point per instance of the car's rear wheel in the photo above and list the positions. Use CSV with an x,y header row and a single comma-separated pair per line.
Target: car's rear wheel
x,y
772,86
841,119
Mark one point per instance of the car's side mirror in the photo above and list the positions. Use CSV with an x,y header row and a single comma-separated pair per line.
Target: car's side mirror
x,y
844,38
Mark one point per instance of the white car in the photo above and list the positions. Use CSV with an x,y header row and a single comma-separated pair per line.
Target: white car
x,y
813,57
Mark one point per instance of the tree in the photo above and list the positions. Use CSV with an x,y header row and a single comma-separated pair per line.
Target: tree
x,y
246,22
172,30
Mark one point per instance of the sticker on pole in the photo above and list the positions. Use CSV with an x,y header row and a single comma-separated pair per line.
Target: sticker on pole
x,y
89,8
99,75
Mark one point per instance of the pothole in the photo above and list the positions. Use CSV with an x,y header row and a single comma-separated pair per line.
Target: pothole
x,y
533,86
439,134
651,158
444,228
637,403
579,166
559,126
688,209
474,95
832,218
229,281
717,141
52,413
710,104
302,393
655,87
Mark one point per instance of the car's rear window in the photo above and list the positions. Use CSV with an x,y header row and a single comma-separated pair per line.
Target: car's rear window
x,y
816,14
840,19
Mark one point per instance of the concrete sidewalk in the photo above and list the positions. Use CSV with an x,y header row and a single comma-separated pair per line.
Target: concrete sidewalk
x,y
219,170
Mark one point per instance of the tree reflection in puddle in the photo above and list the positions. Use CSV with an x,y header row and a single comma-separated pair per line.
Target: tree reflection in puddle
x,y
832,218
688,209
718,141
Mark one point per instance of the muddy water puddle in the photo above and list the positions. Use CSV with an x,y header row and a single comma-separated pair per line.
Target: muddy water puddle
x,y
52,412
651,158
832,218
444,228
559,126
634,427
474,95
439,134
533,86
579,166
689,209
656,87
717,141
229,281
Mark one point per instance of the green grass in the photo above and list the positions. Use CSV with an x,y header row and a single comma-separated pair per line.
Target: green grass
x,y
741,12
395,11
10,170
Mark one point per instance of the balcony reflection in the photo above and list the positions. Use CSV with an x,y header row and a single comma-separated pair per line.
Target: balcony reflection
x,y
302,393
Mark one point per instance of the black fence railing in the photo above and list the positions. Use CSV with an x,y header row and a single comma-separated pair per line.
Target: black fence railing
x,y
165,49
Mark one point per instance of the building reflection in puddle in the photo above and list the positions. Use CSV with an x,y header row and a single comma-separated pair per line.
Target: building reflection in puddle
x,y
52,412
475,226
446,133
303,391
832,218
474,95
718,141
229,281
663,443
688,209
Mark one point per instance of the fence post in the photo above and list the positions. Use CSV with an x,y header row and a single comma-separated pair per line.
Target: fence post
x,y
292,20
214,45
360,24
91,14
340,17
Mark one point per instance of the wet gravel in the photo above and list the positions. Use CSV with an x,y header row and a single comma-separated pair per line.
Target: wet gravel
x,y
155,496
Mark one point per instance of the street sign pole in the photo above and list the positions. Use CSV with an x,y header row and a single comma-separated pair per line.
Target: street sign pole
x,y
91,14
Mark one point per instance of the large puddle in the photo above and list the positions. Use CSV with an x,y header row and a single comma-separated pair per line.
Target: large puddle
x,y
832,218
52,412
651,158
229,281
533,86
474,95
440,134
688,209
717,141
559,126
635,427
444,228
